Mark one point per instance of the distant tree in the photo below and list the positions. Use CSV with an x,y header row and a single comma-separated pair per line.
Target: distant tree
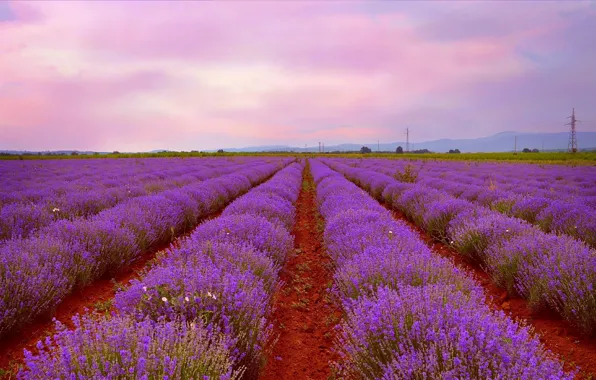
x,y
535,150
526,150
399,150
365,149
456,151
115,152
220,151
74,153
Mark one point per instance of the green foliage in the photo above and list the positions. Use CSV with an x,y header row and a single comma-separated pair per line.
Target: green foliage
x,y
408,175
558,158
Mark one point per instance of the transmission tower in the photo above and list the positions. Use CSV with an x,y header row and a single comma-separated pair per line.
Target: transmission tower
x,y
572,146
407,140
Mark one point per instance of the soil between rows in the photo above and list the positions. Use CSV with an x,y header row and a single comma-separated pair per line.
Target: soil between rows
x,y
304,315
557,335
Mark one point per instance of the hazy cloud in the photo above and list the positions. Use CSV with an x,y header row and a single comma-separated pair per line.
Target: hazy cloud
x,y
141,75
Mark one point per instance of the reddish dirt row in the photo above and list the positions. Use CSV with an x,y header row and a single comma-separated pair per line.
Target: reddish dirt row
x,y
571,347
304,314
94,298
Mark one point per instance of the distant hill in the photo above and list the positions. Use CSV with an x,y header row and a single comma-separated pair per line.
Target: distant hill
x,y
500,142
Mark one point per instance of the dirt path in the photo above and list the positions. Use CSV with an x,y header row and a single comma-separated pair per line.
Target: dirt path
x,y
304,314
94,298
556,334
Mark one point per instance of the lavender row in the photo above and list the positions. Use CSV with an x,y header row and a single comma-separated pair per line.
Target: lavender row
x,y
208,300
61,202
22,179
563,211
409,313
36,273
551,181
548,270
34,181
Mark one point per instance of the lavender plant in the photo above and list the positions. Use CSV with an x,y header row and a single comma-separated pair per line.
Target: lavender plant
x,y
122,348
438,332
67,254
222,285
410,314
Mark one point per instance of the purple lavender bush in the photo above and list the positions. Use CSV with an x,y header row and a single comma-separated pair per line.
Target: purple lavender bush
x,y
67,254
33,278
229,300
264,235
471,232
122,348
439,214
103,247
410,314
437,332
273,207
541,269
235,256
365,273
575,220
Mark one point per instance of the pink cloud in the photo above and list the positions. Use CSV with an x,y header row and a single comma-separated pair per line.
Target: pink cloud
x,y
106,75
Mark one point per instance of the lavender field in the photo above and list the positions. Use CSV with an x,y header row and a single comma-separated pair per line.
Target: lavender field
x,y
205,308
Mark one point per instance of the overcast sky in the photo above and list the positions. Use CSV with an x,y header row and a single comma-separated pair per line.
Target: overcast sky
x,y
181,75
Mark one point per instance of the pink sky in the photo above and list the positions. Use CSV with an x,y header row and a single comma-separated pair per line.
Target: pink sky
x,y
183,75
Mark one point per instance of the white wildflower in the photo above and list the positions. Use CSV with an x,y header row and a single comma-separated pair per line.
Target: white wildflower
x,y
164,299
211,295
55,209
144,288
186,299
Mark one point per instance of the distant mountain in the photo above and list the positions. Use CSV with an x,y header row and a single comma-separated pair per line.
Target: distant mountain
x,y
500,142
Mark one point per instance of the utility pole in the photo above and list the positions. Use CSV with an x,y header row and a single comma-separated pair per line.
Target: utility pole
x,y
407,140
378,146
572,146
319,147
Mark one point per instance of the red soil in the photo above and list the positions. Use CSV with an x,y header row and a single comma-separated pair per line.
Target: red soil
x,y
566,342
304,314
83,301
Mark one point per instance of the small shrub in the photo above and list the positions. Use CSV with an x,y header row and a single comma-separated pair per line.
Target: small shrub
x,y
408,175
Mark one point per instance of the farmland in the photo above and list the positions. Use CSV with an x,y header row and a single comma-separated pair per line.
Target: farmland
x,y
279,267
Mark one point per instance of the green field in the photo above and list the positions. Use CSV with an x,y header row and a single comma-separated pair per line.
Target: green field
x,y
561,158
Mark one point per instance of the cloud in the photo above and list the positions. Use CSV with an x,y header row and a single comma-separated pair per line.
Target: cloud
x,y
6,12
107,75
